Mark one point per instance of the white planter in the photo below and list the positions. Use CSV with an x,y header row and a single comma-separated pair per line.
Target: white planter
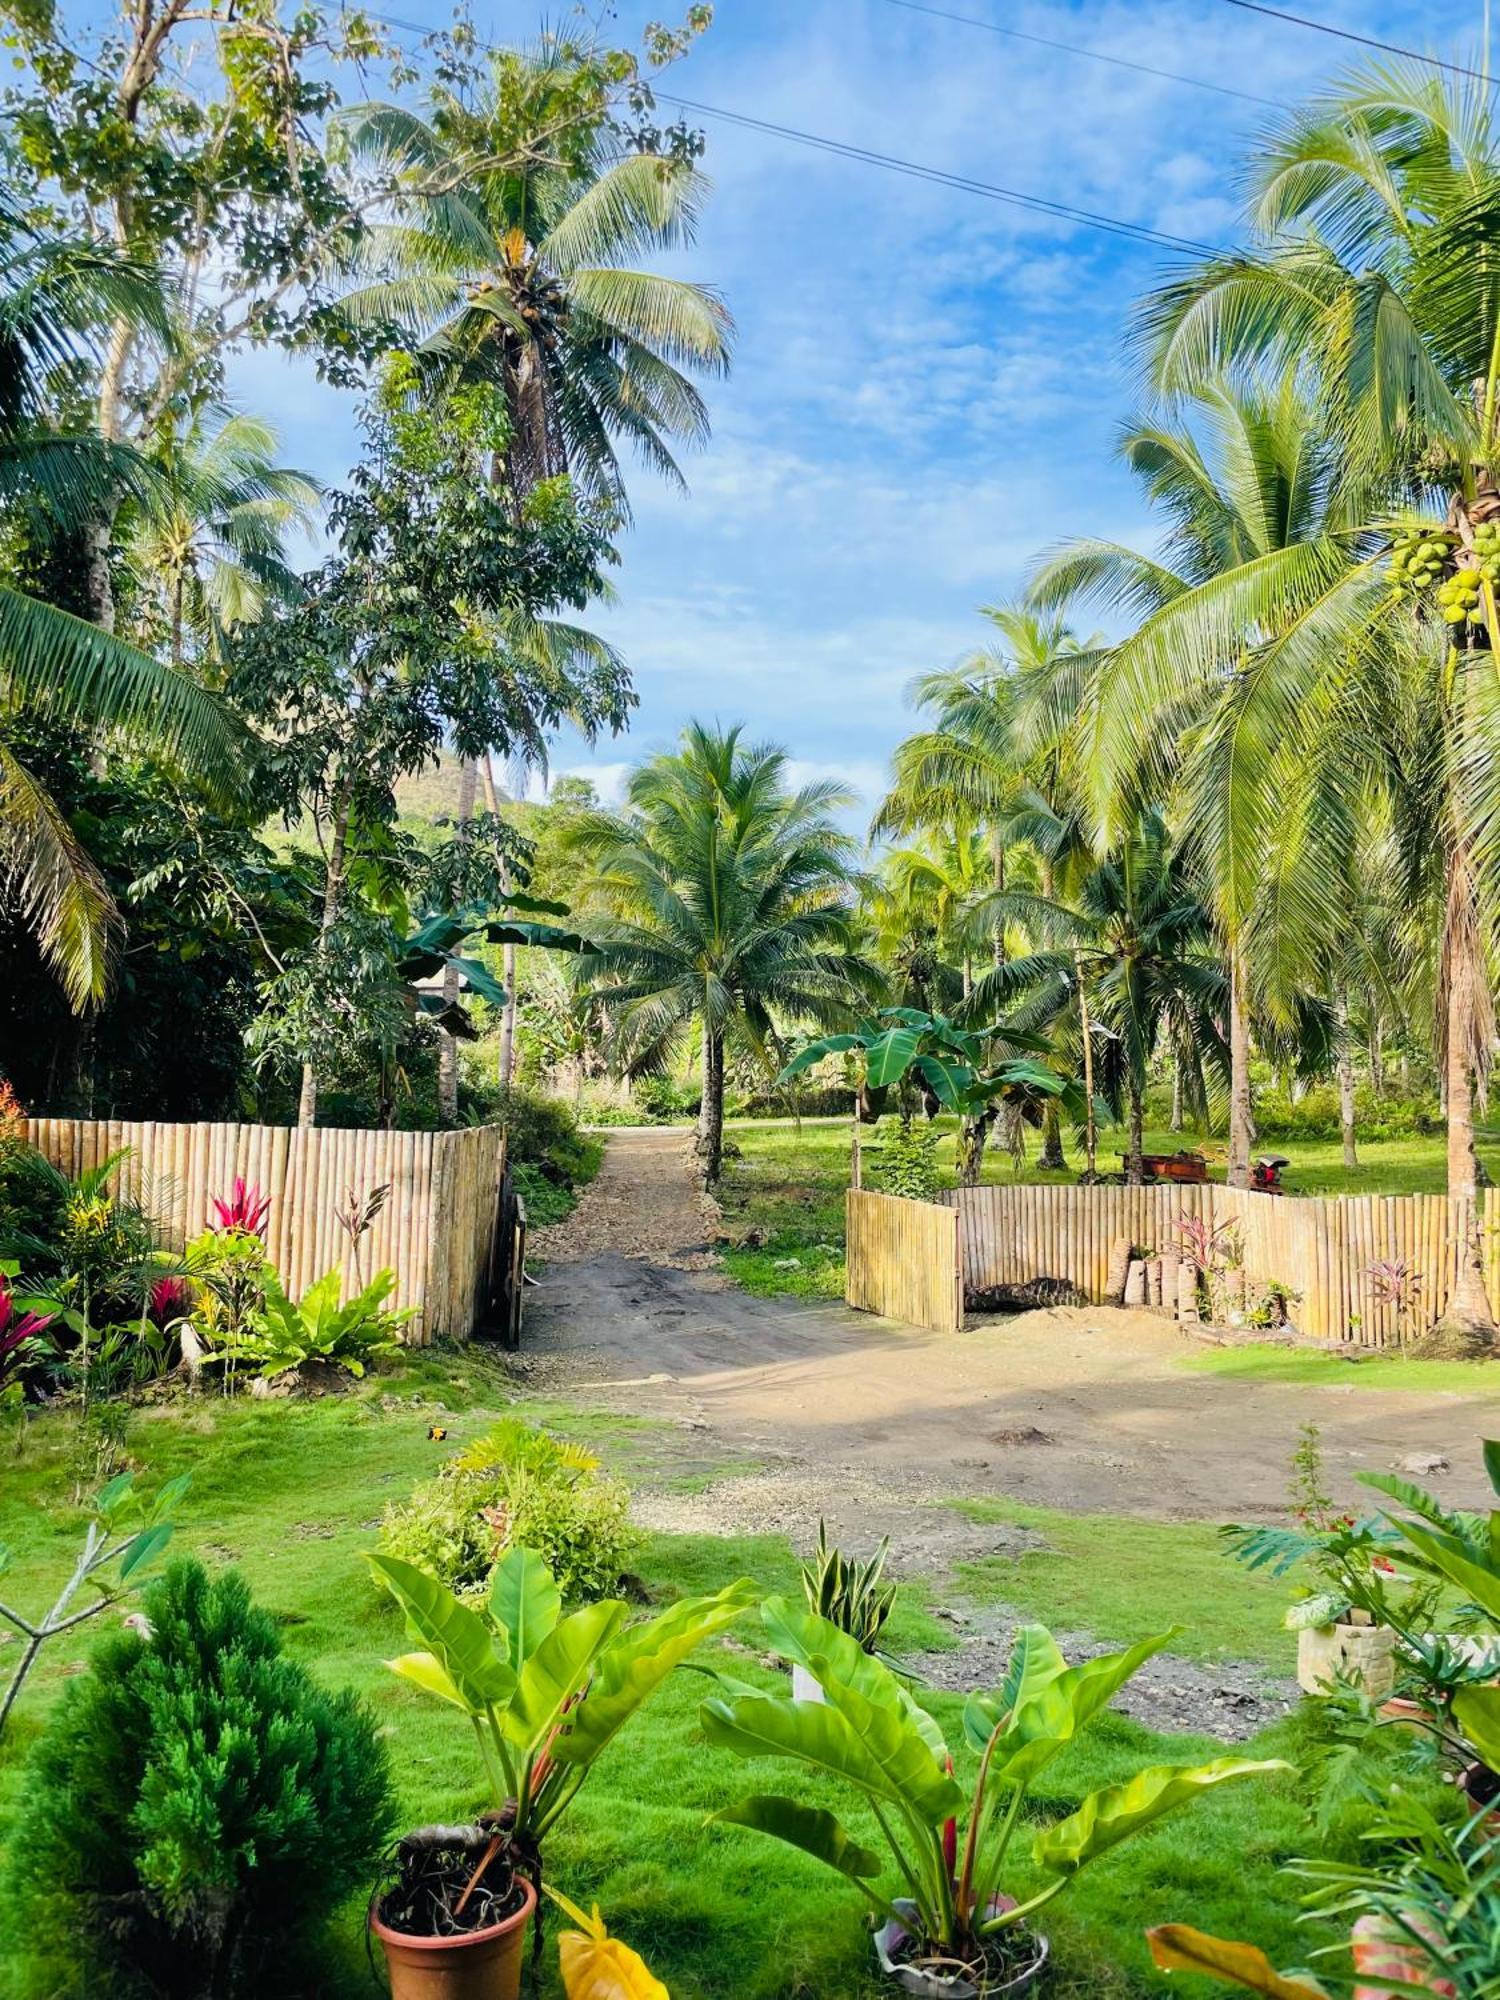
x,y
804,1687
890,1938
1365,1654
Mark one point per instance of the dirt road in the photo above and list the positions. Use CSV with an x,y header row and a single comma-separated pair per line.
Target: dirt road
x,y
1085,1409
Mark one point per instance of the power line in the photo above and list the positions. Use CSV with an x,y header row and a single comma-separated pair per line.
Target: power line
x,y
1016,197
1366,41
1059,211
1090,55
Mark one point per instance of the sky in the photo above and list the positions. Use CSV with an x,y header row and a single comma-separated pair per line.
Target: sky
x,y
927,385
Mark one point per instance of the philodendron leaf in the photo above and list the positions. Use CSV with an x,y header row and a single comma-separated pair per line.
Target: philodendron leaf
x,y
636,1664
1477,1713
524,1601
457,1637
596,1966
428,1673
1108,1817
837,1662
1051,1716
816,1832
1036,1660
1179,1948
558,1671
887,1758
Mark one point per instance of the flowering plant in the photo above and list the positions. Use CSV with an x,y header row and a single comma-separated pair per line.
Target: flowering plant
x,y
246,1209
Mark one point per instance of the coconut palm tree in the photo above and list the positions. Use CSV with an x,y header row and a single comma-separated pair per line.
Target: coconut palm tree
x,y
56,299
1255,507
720,901
516,264
209,535
1375,285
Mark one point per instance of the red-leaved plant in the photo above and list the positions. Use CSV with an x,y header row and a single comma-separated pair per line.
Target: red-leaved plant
x,y
170,1299
246,1209
17,1327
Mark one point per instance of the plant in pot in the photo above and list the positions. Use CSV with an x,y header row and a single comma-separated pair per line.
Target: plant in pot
x,y
955,1932
545,1693
849,1595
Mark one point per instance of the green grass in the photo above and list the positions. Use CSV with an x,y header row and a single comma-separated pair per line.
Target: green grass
x,y
788,1185
292,1494
1355,1370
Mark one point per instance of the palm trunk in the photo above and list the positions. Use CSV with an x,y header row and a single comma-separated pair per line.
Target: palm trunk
x,y
1468,1322
997,863
333,896
1135,1164
1346,1080
1085,1028
973,1134
468,778
1052,1158
1241,1113
711,1111
1377,1055
1177,1090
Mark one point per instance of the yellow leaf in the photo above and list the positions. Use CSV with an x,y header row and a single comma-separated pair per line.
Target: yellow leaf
x,y
1179,1948
596,1966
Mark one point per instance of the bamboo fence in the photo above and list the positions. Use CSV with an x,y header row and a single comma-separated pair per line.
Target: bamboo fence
x,y
904,1260
434,1231
1318,1251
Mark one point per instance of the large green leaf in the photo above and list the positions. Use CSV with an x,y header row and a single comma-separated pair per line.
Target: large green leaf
x,y
524,1601
816,1832
827,1045
1451,1558
1035,1661
1477,1712
457,1637
888,1758
838,1662
558,1671
949,1079
637,1663
1179,1948
889,1056
1108,1817
1061,1706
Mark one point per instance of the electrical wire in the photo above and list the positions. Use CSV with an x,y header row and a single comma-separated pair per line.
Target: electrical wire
x,y
1060,211
1089,55
1365,41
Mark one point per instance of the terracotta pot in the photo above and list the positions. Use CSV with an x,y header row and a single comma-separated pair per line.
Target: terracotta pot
x,y
481,1965
1363,1653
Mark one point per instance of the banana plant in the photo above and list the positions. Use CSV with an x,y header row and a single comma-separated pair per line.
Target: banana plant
x,y
545,1694
952,1852
438,944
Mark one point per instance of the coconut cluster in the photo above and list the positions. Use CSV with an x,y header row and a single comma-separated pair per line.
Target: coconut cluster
x,y
1422,557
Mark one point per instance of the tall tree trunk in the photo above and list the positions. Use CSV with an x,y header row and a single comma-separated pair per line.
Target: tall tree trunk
x,y
1052,1158
997,866
1468,1323
1135,1164
1377,1054
468,778
1086,1032
1176,1090
1346,1079
333,896
973,1134
711,1111
1241,1113
508,962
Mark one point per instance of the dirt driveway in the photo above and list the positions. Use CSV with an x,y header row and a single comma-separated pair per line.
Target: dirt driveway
x,y
1084,1409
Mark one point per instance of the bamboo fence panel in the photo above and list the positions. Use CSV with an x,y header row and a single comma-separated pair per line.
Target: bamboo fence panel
x,y
1320,1251
434,1230
903,1260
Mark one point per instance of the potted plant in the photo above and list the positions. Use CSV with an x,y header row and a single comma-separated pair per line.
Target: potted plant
x,y
956,1933
850,1596
544,1692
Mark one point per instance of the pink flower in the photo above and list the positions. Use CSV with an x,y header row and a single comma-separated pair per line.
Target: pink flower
x,y
16,1327
245,1210
169,1300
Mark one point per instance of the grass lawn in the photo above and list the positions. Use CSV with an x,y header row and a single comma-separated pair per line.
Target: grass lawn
x,y
1360,1369
788,1185
292,1494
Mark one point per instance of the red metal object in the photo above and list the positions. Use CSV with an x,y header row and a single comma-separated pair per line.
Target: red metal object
x,y
1190,1167
1265,1174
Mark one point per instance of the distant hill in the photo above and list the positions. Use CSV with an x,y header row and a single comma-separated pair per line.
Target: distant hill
x,y
433,794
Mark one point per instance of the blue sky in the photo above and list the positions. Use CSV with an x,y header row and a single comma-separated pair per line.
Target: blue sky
x,y
926,385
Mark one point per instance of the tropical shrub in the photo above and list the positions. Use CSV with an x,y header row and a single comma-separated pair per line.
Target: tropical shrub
x,y
283,1336
545,1690
953,1853
198,1804
906,1163
544,1131
517,1487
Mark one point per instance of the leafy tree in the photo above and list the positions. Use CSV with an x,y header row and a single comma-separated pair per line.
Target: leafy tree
x,y
1252,494
720,901
420,628
1373,283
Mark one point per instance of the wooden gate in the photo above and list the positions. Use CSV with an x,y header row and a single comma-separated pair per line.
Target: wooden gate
x,y
904,1260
